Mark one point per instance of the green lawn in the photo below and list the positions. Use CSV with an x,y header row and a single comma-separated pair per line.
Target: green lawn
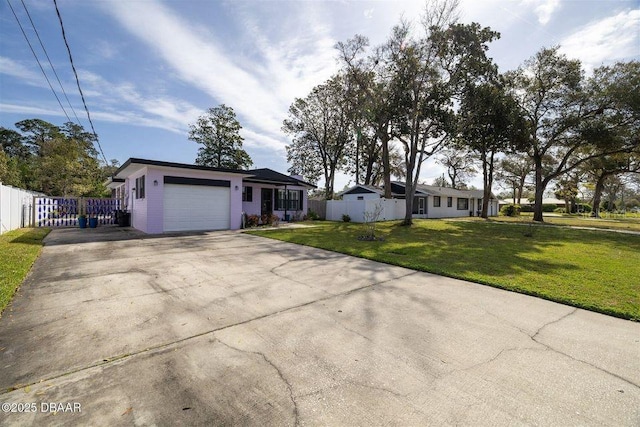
x,y
631,222
596,270
18,251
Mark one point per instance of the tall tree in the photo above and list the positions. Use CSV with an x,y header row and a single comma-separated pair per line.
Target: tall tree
x,y
459,164
321,129
59,161
600,169
9,171
490,122
218,131
432,73
570,121
513,170
372,76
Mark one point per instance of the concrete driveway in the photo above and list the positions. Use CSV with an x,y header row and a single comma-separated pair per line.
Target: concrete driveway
x,y
118,328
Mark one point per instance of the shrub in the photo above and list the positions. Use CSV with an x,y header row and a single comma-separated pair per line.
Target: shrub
x,y
346,218
510,210
312,215
252,220
560,210
549,207
526,208
270,219
585,207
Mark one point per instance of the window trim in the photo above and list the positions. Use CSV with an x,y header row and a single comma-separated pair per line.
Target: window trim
x,y
140,187
247,193
289,202
449,202
466,206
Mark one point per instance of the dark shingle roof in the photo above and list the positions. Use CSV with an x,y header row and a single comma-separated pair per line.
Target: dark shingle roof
x,y
269,176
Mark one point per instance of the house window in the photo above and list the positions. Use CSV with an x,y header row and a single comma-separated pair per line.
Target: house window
x,y
436,201
360,197
463,204
449,202
140,187
289,200
247,194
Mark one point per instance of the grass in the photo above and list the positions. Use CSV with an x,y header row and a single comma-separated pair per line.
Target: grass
x,y
595,270
18,251
631,223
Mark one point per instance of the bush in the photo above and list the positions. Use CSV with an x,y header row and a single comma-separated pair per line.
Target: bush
x,y
252,220
510,210
549,207
526,208
270,219
346,218
560,210
584,207
312,215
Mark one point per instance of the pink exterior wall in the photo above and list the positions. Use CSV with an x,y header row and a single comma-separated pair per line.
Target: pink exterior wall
x,y
147,214
138,207
255,206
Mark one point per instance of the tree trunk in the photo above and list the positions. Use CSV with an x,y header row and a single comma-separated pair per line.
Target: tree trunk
x,y
597,196
488,181
537,207
408,200
386,167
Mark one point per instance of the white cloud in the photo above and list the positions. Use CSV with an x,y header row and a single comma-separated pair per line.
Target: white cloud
x,y
16,69
30,109
259,89
543,9
604,41
153,111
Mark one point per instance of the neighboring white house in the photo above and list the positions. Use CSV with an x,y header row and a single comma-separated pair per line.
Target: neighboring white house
x,y
429,202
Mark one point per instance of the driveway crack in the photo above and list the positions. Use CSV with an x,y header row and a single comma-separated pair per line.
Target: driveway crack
x,y
296,413
534,338
108,360
560,319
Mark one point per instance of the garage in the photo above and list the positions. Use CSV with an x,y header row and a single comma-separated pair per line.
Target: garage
x,y
196,204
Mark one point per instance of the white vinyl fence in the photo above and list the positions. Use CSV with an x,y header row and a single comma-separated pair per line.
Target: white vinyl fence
x,y
391,209
15,208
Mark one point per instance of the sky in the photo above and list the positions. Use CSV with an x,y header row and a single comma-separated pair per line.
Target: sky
x,y
149,68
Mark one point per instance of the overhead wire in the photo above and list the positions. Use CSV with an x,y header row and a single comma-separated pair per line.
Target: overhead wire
x,y
50,63
75,73
37,59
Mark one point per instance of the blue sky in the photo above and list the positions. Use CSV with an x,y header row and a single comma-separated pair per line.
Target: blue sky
x,y
148,68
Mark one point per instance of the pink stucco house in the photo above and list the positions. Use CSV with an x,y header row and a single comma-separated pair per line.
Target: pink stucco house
x,y
166,196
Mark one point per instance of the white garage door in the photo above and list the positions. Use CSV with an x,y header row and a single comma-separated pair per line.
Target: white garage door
x,y
195,207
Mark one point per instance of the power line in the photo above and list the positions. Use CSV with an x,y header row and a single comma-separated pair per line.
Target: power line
x,y
37,60
75,73
50,63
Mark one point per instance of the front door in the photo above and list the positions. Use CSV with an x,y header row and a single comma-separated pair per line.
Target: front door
x,y
267,201
421,205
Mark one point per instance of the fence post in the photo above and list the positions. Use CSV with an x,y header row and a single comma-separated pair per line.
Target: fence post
x,y
33,212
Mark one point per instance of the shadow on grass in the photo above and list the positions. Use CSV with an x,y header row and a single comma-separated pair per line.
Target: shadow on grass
x,y
33,236
539,261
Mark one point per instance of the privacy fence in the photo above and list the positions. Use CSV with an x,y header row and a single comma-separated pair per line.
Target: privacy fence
x,y
16,208
23,208
389,209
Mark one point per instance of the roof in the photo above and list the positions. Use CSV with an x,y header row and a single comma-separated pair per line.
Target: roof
x,y
269,176
112,182
434,190
362,189
265,176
